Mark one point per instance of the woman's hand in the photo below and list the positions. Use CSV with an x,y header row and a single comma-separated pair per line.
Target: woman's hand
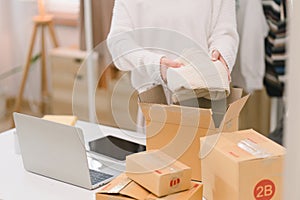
x,y
216,55
165,63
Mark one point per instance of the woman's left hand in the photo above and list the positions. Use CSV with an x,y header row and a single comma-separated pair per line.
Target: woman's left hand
x,y
216,55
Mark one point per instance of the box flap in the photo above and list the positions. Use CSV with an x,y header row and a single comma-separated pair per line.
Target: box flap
x,y
235,94
134,190
154,95
153,103
194,193
247,145
122,185
124,188
234,110
173,114
116,185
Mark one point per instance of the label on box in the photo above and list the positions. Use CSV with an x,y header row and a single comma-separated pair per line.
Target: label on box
x,y
264,190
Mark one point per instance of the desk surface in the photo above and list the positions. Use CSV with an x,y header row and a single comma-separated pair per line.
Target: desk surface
x,y
16,183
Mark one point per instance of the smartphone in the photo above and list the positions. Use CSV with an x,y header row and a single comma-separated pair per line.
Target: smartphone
x,y
114,147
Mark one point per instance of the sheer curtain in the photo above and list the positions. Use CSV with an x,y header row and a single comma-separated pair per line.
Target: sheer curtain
x,y
65,6
15,33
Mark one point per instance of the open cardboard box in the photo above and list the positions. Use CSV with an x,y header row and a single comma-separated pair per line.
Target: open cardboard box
x,y
242,165
123,188
176,129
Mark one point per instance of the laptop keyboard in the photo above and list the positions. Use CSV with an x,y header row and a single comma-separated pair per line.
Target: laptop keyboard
x,y
97,177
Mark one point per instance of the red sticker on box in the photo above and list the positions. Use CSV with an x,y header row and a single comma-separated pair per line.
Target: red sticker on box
x,y
174,182
264,190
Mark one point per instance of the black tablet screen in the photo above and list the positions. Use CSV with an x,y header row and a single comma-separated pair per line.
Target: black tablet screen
x,y
115,147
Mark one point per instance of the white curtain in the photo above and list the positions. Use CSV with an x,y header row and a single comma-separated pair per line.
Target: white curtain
x,y
16,27
66,6
15,33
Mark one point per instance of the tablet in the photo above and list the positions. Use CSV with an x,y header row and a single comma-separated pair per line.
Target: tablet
x,y
114,147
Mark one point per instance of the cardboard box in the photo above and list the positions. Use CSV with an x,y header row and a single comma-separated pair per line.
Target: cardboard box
x,y
176,129
243,165
63,119
157,172
123,188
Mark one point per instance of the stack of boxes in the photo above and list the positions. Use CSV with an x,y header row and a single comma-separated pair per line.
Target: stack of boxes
x,y
153,175
231,164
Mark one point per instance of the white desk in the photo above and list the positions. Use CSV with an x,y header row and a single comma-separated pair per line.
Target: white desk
x,y
16,183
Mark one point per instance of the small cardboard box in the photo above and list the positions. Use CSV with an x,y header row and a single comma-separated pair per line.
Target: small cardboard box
x,y
176,129
242,165
123,188
157,172
63,119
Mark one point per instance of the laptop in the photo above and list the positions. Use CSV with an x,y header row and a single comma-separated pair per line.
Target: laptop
x,y
58,151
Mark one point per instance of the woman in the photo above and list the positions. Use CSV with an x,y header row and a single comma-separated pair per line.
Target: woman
x,y
211,24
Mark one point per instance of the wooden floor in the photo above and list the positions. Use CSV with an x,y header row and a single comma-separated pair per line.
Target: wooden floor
x,y
5,123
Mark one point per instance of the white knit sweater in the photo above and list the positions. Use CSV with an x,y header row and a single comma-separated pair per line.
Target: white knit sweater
x,y
180,24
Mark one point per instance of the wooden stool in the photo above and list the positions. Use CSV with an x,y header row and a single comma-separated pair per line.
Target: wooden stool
x,y
39,22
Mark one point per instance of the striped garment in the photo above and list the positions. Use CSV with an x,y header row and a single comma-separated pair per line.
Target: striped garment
x,y
275,45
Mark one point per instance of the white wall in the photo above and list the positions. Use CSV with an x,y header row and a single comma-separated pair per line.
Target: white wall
x,y
5,37
292,128
15,34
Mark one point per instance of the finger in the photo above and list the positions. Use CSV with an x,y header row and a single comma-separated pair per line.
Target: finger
x,y
174,64
215,55
222,60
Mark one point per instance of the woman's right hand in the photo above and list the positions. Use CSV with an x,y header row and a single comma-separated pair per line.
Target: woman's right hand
x,y
165,63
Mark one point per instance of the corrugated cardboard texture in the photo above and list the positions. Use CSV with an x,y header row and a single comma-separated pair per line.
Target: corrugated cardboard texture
x,y
176,129
232,173
157,172
122,188
180,142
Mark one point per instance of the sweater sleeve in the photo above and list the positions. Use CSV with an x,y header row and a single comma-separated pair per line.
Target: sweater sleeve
x,y
224,36
126,53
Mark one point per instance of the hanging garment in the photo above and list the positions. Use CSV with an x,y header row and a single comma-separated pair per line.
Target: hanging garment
x,y
275,46
249,70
